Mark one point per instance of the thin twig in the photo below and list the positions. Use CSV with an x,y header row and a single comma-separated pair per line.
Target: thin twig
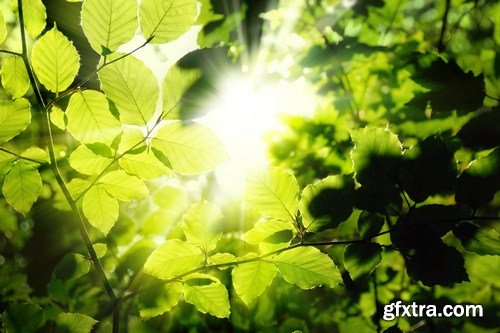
x,y
11,52
22,157
441,45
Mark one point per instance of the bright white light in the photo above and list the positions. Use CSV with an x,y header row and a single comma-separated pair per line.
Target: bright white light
x,y
245,111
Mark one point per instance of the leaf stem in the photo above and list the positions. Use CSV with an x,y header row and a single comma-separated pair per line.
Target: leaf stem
x,y
441,45
22,157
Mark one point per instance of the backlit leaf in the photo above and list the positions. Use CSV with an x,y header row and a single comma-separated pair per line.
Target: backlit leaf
x,y
173,257
202,225
15,77
55,61
15,116
34,16
74,323
109,23
307,267
124,187
132,87
177,81
21,187
100,208
209,298
154,302
89,118
250,280
166,20
3,28
273,192
191,149
144,165
90,160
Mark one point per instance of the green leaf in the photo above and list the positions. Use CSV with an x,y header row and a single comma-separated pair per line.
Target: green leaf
x,y
3,28
21,187
191,149
171,198
15,116
221,258
23,317
160,222
250,280
34,16
360,259
482,132
90,160
307,267
482,240
74,323
166,20
58,117
100,208
36,153
123,186
209,298
428,168
15,77
375,155
202,225
369,224
478,183
100,249
328,202
172,258
55,61
157,301
144,165
109,23
264,230
273,192
89,118
177,81
72,266
132,141
132,87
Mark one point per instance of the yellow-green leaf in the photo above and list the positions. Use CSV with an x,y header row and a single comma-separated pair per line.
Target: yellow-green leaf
x,y
144,165
209,298
307,267
109,23
172,258
133,88
265,229
90,160
191,149
202,225
100,208
15,116
74,323
177,81
123,186
166,20
21,187
55,61
251,279
273,192
57,117
34,16
3,28
89,118
15,77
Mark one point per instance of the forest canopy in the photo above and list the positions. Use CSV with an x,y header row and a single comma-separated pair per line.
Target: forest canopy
x,y
256,166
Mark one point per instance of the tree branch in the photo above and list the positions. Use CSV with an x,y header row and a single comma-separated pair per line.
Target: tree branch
x,y
55,170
